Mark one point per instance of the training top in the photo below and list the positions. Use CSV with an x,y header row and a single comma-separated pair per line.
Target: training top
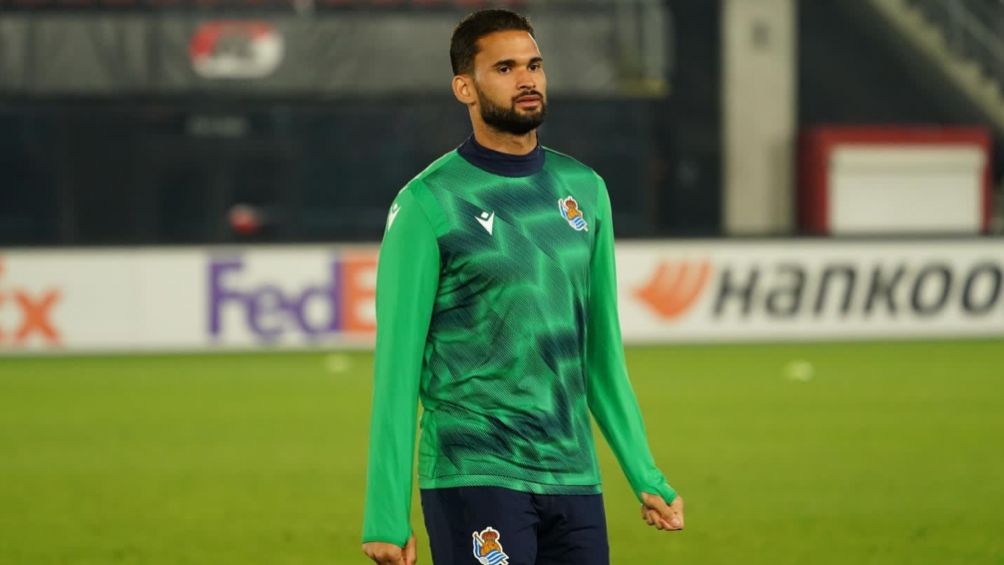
x,y
496,305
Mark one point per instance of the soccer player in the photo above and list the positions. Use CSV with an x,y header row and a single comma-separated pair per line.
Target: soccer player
x,y
496,306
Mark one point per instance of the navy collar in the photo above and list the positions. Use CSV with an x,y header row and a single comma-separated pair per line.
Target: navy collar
x,y
502,164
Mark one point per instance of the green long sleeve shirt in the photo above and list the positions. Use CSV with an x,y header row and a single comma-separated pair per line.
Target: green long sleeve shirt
x,y
497,309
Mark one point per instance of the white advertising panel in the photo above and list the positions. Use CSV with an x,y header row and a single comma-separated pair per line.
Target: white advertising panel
x,y
199,299
810,289
70,300
186,299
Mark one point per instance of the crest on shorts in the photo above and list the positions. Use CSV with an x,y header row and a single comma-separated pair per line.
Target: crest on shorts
x,y
488,547
569,209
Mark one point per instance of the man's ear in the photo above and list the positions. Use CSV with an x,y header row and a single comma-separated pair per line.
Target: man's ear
x,y
463,89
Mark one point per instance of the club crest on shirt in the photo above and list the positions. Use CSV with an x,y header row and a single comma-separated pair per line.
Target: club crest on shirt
x,y
569,209
488,547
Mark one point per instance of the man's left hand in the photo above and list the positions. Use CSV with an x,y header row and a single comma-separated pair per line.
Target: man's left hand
x,y
655,512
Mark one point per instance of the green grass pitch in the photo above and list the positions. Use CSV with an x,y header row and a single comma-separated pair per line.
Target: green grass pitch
x,y
877,453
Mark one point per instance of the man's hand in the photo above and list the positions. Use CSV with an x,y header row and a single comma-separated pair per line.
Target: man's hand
x,y
390,554
656,512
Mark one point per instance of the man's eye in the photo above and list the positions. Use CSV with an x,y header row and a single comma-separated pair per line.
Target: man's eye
x,y
503,70
535,66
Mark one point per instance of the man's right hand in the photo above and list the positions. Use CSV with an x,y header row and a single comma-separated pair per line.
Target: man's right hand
x,y
389,554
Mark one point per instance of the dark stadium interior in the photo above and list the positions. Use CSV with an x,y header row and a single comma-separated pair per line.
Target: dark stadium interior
x,y
161,166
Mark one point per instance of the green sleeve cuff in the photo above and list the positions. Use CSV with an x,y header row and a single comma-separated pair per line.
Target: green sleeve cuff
x,y
665,491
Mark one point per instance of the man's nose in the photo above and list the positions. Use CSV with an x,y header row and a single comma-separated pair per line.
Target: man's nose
x,y
525,80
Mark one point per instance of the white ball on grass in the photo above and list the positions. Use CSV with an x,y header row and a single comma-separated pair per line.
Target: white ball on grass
x,y
799,370
337,363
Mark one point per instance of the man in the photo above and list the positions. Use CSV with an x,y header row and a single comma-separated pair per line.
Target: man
x,y
496,306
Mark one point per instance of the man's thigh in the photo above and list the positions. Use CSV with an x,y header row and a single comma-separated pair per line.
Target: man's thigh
x,y
572,531
480,525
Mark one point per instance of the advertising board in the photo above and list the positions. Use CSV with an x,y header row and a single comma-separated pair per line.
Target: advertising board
x,y
303,297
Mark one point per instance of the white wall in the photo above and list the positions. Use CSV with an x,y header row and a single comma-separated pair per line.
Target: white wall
x,y
759,111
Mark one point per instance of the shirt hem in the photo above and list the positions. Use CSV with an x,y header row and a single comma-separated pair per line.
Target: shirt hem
x,y
508,483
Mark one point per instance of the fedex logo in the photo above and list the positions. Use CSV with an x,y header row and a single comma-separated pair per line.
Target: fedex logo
x,y
33,314
342,302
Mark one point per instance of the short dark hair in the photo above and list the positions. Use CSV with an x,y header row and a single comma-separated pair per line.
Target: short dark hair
x,y
464,43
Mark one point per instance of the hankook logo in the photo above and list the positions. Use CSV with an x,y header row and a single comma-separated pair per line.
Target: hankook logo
x,y
843,290
675,287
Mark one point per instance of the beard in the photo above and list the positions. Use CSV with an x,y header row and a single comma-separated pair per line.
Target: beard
x,y
510,120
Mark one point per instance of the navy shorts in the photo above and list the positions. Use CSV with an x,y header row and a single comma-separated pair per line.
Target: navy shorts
x,y
497,526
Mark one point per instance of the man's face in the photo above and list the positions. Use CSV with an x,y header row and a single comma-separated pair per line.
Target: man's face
x,y
510,82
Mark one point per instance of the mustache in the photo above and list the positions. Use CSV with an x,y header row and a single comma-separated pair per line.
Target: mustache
x,y
527,93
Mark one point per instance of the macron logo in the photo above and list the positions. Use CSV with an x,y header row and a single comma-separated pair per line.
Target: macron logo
x,y
487,221
393,214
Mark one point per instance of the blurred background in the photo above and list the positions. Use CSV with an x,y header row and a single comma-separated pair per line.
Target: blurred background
x,y
146,122
809,203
